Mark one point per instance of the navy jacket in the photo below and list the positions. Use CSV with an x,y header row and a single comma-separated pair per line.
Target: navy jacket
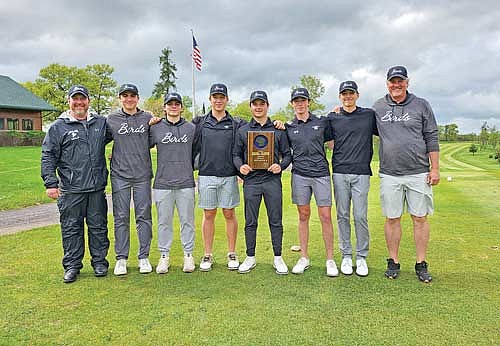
x,y
214,144
76,150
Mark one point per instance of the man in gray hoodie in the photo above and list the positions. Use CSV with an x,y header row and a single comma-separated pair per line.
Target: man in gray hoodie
x,y
174,181
409,166
131,175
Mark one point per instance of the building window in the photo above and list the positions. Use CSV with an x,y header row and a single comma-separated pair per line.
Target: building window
x,y
27,124
2,126
12,124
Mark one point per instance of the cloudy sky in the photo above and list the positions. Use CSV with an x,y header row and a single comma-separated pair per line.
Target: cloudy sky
x,y
451,48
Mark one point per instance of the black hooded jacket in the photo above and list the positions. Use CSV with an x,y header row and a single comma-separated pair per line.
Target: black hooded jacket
x,y
76,150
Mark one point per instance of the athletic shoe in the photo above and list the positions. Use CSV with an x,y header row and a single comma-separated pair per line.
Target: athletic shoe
x,y
331,268
121,267
422,273
346,266
247,265
361,267
280,265
232,261
188,264
302,264
392,269
206,263
145,266
163,265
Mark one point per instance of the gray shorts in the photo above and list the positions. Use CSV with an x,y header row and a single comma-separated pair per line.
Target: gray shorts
x,y
304,187
411,191
218,192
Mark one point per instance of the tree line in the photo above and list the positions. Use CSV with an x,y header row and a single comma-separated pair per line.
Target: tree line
x,y
55,79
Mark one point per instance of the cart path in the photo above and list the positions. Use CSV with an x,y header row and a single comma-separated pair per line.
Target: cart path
x,y
17,220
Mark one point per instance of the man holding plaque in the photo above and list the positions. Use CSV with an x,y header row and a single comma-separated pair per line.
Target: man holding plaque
x,y
257,151
307,134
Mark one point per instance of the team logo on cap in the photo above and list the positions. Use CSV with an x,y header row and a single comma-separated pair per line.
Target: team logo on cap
x,y
78,89
218,88
259,95
397,71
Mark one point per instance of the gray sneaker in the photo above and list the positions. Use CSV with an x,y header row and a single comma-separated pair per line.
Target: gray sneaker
x,y
422,272
392,270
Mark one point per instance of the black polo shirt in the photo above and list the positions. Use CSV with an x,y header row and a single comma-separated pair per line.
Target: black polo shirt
x,y
353,138
307,140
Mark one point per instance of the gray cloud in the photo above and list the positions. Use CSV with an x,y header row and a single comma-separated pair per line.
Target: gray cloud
x,y
451,48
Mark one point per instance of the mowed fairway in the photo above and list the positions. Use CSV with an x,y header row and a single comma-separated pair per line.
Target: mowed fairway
x,y
460,307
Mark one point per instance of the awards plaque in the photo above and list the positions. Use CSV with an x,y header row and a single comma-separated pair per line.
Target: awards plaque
x,y
260,149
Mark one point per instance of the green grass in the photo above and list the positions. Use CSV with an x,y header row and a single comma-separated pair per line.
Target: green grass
x,y
460,307
22,185
20,176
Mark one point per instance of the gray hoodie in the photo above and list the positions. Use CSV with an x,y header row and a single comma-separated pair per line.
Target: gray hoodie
x,y
174,143
408,133
131,159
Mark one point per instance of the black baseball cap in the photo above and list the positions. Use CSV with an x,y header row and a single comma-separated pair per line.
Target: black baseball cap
x,y
397,71
78,89
300,92
128,87
218,88
258,95
171,97
348,85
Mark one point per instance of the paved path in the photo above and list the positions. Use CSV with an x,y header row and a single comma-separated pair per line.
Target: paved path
x,y
17,220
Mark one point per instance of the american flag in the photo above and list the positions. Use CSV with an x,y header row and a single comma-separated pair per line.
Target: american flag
x,y
196,55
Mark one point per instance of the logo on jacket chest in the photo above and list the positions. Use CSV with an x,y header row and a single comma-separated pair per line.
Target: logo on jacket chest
x,y
125,129
171,138
389,116
73,135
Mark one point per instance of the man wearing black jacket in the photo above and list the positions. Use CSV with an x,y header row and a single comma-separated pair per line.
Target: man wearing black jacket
x,y
217,180
262,183
74,147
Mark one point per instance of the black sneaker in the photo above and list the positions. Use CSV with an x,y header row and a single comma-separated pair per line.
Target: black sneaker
x,y
422,273
392,269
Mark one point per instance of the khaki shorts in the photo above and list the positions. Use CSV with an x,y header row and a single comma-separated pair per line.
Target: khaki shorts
x,y
411,191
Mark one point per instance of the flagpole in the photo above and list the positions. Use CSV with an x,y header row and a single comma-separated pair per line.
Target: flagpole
x,y
192,71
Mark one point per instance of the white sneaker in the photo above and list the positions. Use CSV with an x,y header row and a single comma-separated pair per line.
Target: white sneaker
x,y
145,266
331,268
121,267
163,265
206,263
247,265
302,264
280,265
188,264
232,261
346,266
361,267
